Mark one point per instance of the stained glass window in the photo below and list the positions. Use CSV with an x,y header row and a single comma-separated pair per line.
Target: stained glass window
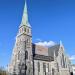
x,y
44,67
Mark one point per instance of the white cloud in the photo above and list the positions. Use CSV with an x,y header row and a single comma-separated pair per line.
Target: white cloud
x,y
46,43
72,57
39,39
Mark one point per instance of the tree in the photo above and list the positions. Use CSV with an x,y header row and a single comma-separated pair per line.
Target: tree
x,y
2,71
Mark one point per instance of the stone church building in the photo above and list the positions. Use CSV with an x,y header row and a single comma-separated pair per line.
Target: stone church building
x,y
31,59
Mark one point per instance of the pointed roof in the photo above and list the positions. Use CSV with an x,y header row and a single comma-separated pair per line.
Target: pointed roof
x,y
61,42
25,16
53,50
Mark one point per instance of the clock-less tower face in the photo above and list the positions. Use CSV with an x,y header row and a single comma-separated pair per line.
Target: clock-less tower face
x,y
24,41
24,46
21,61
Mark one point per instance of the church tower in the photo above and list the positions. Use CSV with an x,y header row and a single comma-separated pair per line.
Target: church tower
x,y
22,60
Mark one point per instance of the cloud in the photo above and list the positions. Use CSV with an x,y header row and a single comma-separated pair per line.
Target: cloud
x,y
38,40
46,43
72,57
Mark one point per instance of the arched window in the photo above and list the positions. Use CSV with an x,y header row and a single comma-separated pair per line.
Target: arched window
x,y
44,67
52,71
22,29
27,40
57,67
26,54
47,67
63,62
25,29
38,67
28,30
61,48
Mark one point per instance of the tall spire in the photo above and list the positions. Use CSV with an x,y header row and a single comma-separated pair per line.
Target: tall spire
x,y
61,43
25,16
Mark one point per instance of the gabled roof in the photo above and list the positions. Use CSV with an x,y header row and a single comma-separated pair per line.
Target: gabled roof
x,y
53,49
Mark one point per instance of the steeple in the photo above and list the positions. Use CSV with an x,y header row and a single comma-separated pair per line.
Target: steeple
x,y
25,16
60,42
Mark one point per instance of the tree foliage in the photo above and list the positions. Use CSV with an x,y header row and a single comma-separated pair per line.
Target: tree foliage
x,y
2,71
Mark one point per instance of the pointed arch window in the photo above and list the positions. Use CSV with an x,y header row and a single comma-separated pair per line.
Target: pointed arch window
x,y
63,62
38,67
25,29
22,29
44,67
53,71
28,30
26,54
47,67
27,40
57,67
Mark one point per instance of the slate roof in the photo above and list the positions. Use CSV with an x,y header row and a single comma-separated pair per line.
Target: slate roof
x,y
49,57
42,58
52,49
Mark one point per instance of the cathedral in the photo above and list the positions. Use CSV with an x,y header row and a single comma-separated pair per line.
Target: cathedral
x,y
31,59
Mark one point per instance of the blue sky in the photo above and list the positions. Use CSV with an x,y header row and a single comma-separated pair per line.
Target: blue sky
x,y
51,20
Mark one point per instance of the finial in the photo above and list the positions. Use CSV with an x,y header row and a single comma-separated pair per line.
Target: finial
x,y
60,42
